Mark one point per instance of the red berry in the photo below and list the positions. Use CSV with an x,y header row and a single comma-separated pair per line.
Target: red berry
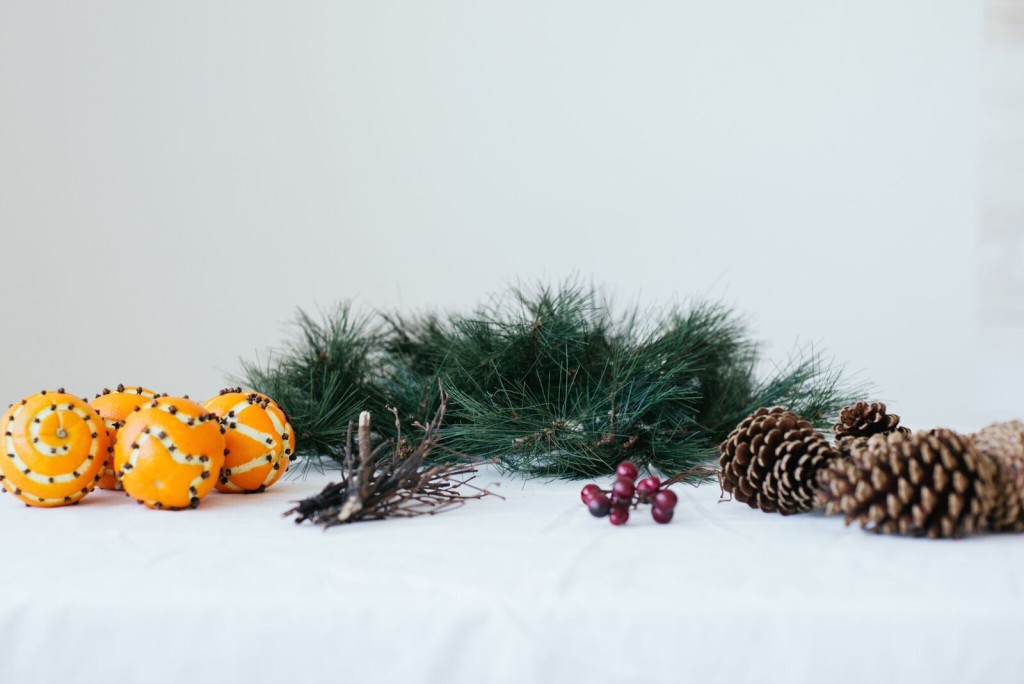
x,y
599,505
661,516
589,492
666,500
647,487
619,515
627,470
623,490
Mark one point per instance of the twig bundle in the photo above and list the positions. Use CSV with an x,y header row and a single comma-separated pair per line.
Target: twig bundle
x,y
391,480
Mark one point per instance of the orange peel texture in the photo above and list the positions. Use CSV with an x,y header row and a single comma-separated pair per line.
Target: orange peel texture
x,y
260,441
114,407
55,446
169,453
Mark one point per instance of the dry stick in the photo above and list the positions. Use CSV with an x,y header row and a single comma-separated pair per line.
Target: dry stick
x,y
366,460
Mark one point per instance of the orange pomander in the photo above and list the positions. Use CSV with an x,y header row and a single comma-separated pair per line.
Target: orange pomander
x,y
260,441
55,446
169,453
114,407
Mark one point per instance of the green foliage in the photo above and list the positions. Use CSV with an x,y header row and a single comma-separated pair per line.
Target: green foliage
x,y
323,378
548,383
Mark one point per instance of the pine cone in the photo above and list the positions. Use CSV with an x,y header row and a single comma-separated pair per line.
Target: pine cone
x,y
860,421
771,461
933,484
1004,444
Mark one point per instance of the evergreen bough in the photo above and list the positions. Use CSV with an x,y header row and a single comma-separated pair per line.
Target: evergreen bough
x,y
547,382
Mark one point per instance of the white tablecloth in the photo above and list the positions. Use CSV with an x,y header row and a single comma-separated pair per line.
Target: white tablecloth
x,y
527,589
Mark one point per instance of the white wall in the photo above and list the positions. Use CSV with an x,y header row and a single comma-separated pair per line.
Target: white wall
x,y
1001,254
175,178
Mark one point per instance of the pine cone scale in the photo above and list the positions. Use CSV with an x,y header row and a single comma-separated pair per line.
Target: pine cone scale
x,y
862,492
958,483
915,472
955,505
893,506
904,491
928,501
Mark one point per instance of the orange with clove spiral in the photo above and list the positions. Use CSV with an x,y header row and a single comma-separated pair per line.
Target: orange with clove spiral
x,y
169,453
260,441
55,445
114,407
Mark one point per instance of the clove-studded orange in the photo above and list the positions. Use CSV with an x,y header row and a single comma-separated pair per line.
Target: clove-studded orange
x,y
114,406
169,453
260,441
55,445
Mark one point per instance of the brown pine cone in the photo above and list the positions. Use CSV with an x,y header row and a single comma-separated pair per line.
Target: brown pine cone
x,y
860,421
771,461
933,484
1004,444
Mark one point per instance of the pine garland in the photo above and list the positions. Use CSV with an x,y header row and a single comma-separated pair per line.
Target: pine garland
x,y
549,383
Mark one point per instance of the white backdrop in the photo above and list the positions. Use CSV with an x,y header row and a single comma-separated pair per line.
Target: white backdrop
x,y
175,178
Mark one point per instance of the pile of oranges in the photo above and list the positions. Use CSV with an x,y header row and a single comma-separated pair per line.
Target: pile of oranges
x,y
166,452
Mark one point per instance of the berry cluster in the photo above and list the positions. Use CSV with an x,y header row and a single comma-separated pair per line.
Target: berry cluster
x,y
627,493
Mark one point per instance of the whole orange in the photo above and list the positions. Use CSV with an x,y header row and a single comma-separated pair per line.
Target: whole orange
x,y
54,449
260,441
169,453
